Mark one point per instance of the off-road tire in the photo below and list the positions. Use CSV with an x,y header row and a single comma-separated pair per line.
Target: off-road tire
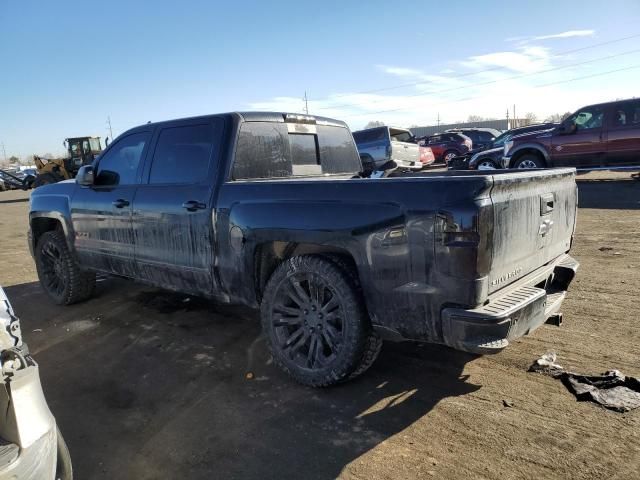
x,y
373,344
354,348
76,284
45,179
528,157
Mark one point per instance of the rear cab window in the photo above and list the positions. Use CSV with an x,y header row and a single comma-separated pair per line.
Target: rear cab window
x,y
398,135
269,150
371,135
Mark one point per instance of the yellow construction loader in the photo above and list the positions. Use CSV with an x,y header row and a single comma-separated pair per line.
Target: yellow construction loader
x,y
80,151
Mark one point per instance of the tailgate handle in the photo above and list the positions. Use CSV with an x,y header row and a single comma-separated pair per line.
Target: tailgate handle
x,y
546,203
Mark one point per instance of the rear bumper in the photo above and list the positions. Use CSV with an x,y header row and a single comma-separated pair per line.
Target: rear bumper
x,y
417,165
509,315
29,440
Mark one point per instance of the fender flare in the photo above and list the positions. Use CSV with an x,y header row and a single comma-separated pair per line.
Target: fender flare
x,y
64,222
530,146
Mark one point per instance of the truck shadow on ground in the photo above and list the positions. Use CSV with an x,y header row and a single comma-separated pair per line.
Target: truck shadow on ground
x,y
14,200
623,194
149,384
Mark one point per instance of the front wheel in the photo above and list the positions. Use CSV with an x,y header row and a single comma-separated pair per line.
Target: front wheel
x,y
58,271
529,161
314,319
487,165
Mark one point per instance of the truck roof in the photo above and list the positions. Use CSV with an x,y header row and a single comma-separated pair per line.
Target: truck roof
x,y
256,116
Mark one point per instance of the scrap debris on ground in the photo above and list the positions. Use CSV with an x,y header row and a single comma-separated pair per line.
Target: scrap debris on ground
x,y
612,389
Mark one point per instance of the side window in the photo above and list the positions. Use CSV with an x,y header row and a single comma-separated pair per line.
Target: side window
x,y
434,140
119,165
485,136
473,135
262,151
626,114
588,118
182,154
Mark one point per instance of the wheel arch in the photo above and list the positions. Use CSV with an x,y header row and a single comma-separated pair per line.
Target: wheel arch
x,y
41,222
268,255
532,149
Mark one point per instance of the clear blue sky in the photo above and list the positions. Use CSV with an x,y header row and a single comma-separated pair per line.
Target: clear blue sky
x,y
67,65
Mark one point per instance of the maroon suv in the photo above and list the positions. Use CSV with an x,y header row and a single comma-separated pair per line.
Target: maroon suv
x,y
447,145
603,135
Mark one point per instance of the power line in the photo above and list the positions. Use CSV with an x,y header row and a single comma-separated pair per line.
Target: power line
x,y
600,74
491,69
489,82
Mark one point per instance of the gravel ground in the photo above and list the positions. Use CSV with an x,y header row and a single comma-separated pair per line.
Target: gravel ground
x,y
146,384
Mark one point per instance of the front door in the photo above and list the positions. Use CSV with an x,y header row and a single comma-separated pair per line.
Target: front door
x,y
101,213
173,211
624,134
586,145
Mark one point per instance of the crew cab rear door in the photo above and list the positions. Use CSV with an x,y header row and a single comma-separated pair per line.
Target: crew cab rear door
x,y
173,211
623,140
101,213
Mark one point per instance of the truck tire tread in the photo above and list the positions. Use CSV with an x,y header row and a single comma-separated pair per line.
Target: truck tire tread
x,y
79,285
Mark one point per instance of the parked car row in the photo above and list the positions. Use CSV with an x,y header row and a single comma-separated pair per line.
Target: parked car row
x,y
380,145
489,157
605,135
16,180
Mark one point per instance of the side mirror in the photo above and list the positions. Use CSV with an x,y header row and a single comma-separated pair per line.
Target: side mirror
x,y
107,141
567,128
85,176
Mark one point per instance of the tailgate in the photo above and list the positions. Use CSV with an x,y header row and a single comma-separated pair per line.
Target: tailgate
x,y
405,152
533,221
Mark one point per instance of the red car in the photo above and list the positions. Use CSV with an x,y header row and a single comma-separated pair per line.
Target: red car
x,y
426,156
447,145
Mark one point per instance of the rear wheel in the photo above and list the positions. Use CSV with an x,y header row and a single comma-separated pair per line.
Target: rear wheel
x,y
529,161
59,273
45,179
314,319
448,156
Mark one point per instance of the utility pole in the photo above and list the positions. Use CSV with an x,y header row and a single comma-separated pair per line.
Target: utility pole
x,y
4,152
306,103
514,115
438,119
109,124
508,126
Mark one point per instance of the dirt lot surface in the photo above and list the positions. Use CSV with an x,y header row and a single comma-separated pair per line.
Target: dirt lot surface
x,y
146,384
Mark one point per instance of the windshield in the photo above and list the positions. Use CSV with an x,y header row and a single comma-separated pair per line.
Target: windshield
x,y
94,143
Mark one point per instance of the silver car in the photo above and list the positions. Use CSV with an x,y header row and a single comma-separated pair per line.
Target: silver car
x,y
31,447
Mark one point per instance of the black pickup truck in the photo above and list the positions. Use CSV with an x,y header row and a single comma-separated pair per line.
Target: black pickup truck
x,y
271,210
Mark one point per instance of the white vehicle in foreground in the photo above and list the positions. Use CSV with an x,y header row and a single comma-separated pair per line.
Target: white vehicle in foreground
x,y
31,447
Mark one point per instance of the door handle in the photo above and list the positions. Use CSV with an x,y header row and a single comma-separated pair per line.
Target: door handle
x,y
120,203
192,205
546,203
